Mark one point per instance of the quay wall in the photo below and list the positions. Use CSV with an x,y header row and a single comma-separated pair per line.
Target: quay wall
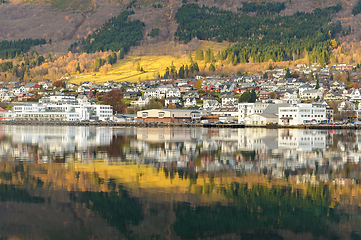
x,y
170,124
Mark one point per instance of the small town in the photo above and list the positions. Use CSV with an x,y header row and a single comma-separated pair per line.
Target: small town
x,y
294,96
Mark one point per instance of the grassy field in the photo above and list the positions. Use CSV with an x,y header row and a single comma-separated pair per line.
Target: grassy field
x,y
125,69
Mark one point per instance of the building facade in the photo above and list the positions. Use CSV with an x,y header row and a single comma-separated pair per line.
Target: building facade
x,y
301,114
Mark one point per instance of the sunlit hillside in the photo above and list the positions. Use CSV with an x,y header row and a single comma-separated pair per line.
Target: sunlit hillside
x,y
126,69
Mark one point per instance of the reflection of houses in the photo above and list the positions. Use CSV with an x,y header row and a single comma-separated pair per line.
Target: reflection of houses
x,y
302,140
58,140
257,139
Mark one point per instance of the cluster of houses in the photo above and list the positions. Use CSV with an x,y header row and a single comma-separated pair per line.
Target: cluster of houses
x,y
285,101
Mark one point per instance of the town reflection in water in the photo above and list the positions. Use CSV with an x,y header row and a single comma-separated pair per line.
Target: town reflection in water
x,y
67,182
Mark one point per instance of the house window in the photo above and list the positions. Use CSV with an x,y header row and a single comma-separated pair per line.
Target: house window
x,y
144,115
161,115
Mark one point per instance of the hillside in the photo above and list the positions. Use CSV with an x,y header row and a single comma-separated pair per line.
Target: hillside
x,y
66,22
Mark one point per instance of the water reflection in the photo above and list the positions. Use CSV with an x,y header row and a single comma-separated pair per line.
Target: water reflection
x,y
178,183
278,152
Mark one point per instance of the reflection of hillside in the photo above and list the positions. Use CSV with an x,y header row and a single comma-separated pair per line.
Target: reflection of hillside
x,y
142,201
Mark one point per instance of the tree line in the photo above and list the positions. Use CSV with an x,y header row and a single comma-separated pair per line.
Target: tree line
x,y
117,34
184,71
10,49
263,37
357,9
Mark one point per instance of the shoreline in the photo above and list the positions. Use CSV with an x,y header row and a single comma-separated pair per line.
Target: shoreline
x,y
190,125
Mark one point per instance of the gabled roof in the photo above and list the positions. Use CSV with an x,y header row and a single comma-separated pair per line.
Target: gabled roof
x,y
30,84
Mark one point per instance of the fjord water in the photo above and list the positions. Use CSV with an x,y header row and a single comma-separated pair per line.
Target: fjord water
x,y
67,182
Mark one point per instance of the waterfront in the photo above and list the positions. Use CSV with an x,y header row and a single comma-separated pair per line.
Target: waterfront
x,y
87,182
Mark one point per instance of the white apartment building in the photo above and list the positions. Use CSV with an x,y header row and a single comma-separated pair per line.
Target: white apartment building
x,y
244,110
247,109
60,112
301,114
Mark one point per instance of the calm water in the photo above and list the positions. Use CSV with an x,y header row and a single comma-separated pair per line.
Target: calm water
x,y
179,183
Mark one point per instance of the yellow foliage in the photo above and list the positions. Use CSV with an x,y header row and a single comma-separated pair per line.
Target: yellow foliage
x,y
334,43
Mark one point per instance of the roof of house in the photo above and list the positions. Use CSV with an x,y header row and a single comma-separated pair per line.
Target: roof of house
x,y
31,84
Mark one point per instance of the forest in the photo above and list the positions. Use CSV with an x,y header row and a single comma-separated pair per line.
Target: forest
x,y
357,9
264,37
117,34
262,8
10,49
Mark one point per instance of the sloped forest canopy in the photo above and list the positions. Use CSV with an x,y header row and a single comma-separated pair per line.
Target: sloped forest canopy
x,y
263,37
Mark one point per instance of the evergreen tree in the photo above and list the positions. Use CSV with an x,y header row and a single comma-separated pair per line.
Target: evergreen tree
x,y
244,97
252,96
209,56
212,68
181,72
190,56
288,74
265,75
77,69
186,70
199,54
317,84
166,74
348,77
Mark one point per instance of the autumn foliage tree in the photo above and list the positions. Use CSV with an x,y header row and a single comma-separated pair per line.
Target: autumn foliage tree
x,y
114,99
58,83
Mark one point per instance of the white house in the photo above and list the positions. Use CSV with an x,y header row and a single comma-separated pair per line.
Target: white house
x,y
173,92
168,101
310,94
140,102
290,95
355,95
17,90
190,102
261,119
153,93
209,103
229,100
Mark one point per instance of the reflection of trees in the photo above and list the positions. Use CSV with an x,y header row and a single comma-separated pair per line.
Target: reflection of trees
x,y
116,147
117,207
20,173
249,155
258,209
10,192
345,138
15,194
